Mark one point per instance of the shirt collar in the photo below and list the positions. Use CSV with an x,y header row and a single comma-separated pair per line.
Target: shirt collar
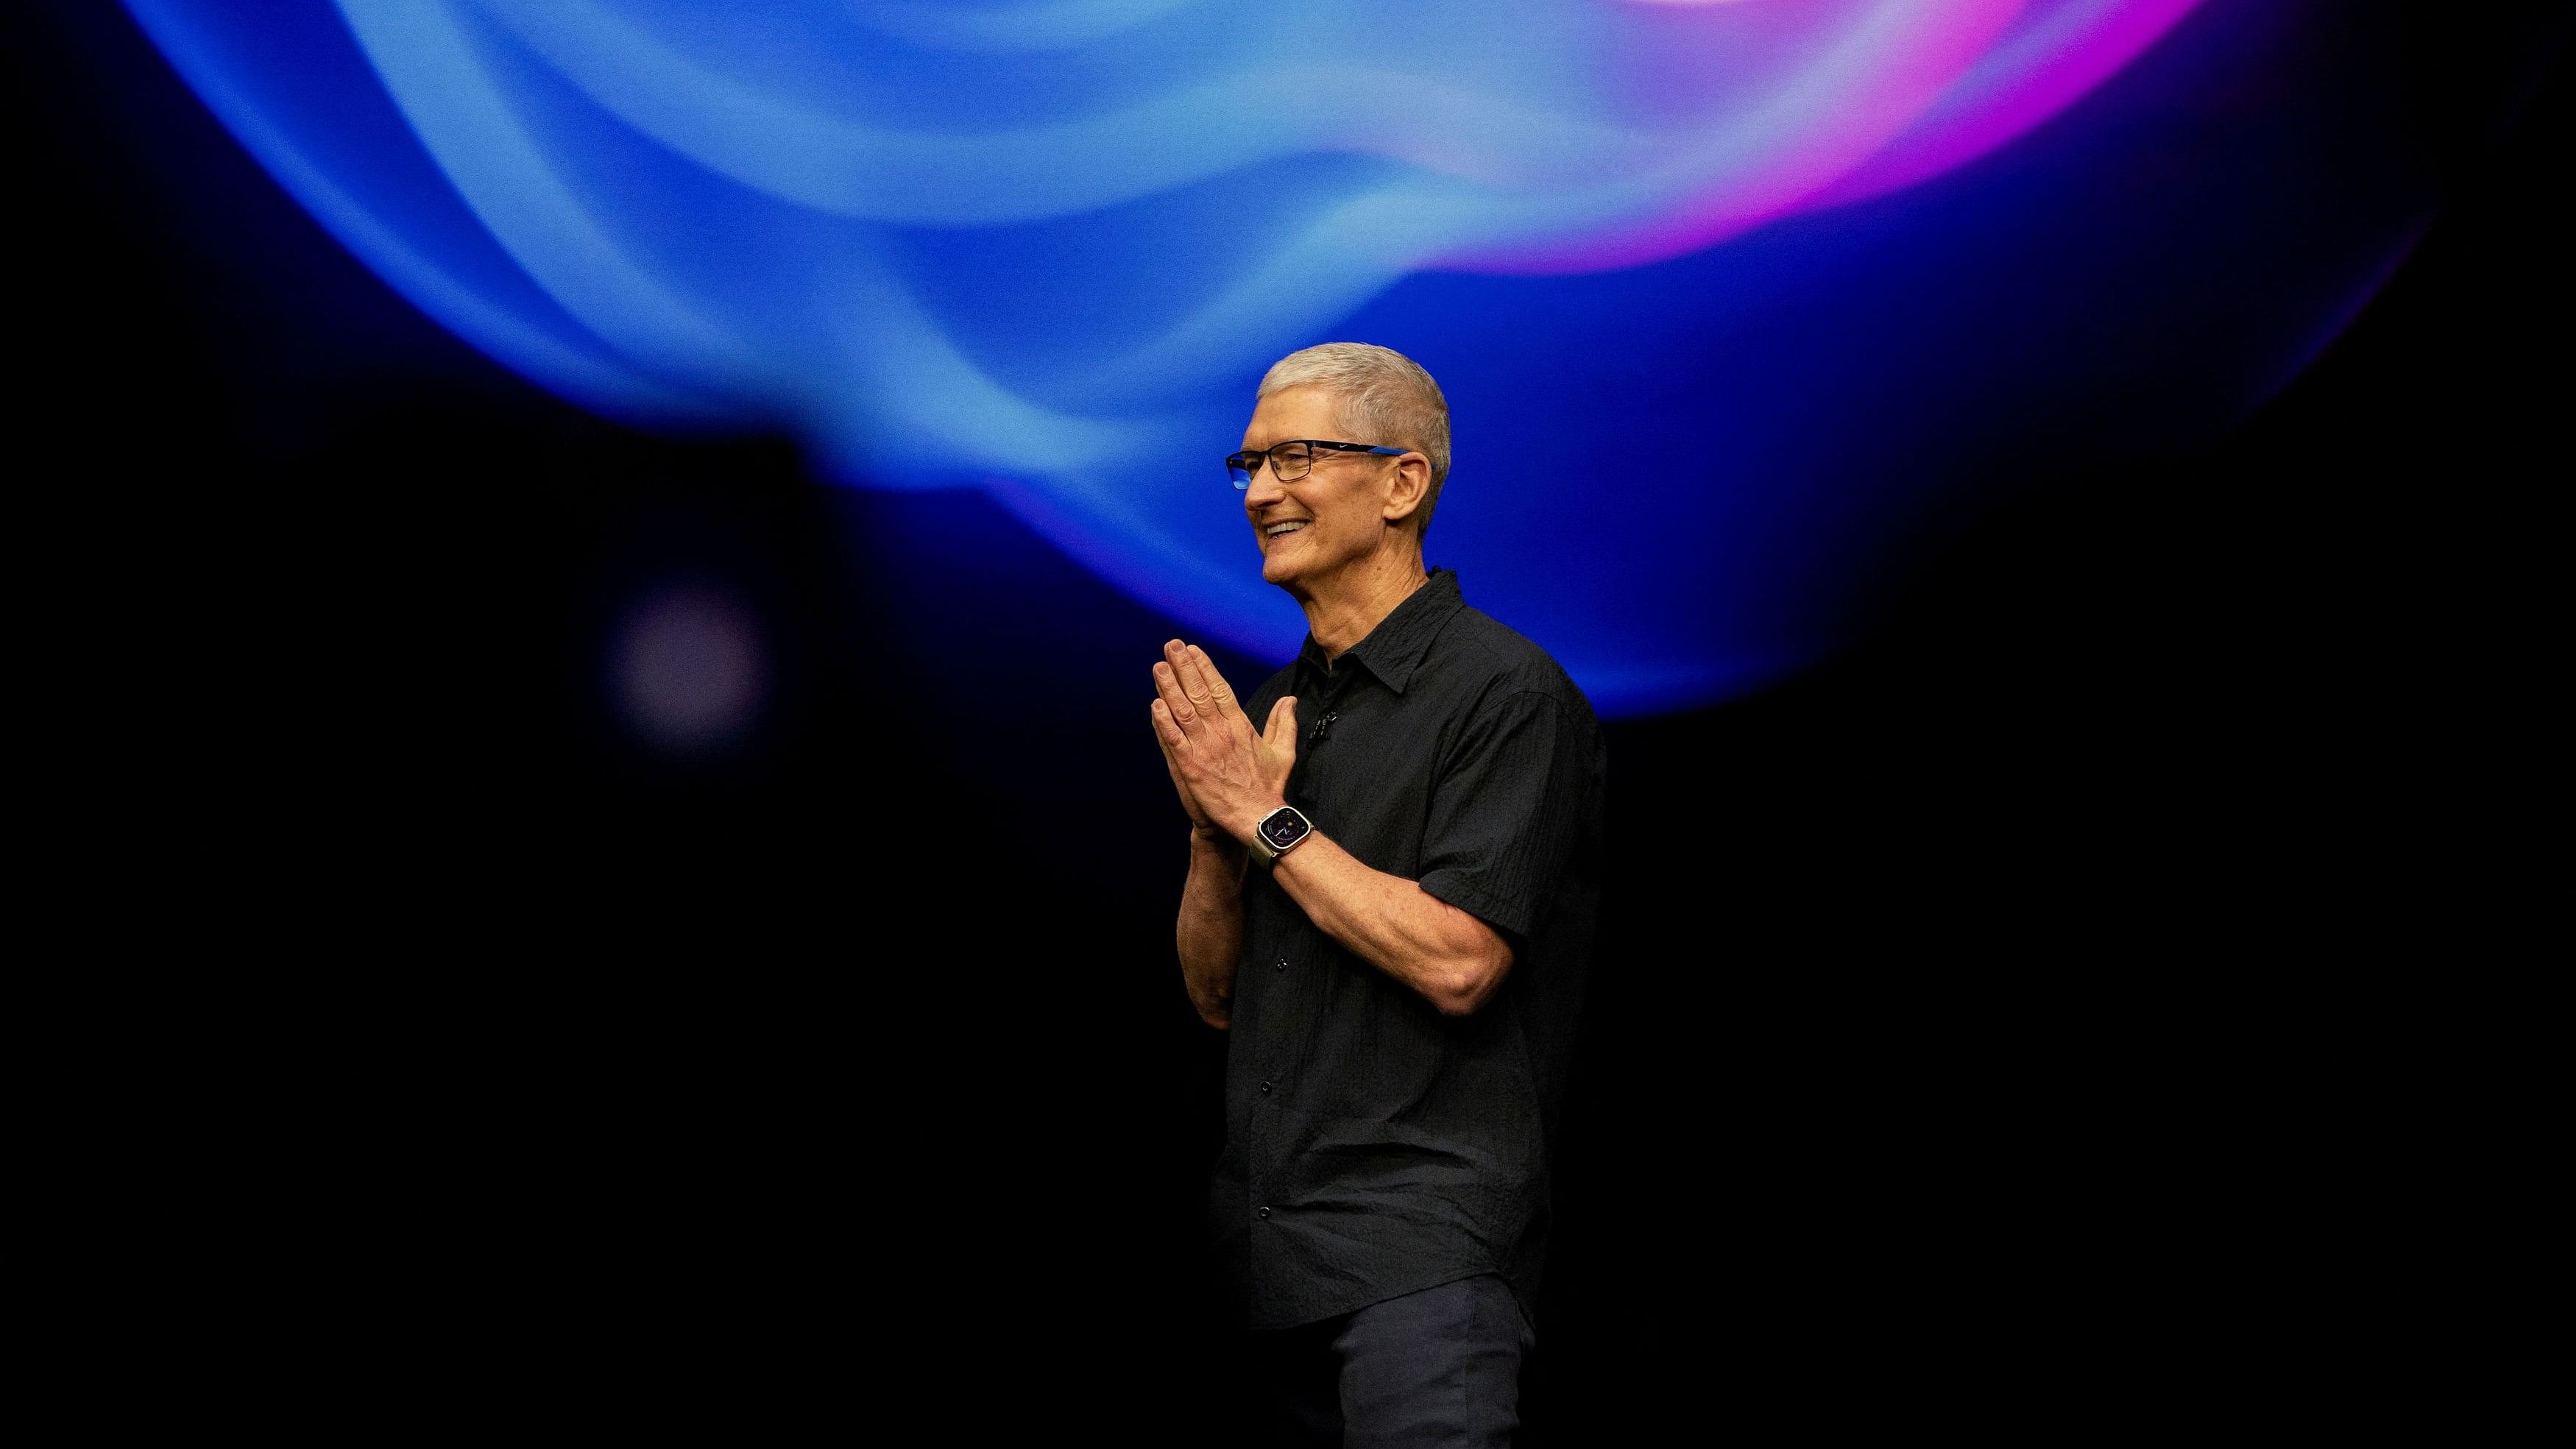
x,y
1394,649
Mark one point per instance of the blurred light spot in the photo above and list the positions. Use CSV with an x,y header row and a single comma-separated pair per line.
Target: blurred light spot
x,y
689,669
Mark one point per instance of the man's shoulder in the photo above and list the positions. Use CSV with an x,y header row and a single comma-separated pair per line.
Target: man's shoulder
x,y
1494,660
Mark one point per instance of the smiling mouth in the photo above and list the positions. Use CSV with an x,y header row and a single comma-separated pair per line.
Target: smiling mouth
x,y
1280,530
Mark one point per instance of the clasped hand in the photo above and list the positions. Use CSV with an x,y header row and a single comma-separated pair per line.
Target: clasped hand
x,y
1228,776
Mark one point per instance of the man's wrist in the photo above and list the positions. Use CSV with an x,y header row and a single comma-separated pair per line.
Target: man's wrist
x,y
1252,822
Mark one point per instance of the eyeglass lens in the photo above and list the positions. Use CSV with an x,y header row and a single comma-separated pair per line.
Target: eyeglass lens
x,y
1288,461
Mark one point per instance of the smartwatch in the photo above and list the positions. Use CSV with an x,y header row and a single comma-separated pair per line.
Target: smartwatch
x,y
1280,832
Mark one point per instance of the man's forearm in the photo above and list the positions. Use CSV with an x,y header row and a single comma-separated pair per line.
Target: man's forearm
x,y
1210,932
1453,959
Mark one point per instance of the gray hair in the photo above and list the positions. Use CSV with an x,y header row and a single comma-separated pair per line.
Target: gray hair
x,y
1384,394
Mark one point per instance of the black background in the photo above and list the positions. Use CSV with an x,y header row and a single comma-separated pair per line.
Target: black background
x,y
1966,1003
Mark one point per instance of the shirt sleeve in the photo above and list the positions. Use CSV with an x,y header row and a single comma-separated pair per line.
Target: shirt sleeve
x,y
1506,811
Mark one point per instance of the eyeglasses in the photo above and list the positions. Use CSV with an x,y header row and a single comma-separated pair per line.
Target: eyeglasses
x,y
1294,459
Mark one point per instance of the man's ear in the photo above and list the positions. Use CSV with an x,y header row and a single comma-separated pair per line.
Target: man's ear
x,y
1407,484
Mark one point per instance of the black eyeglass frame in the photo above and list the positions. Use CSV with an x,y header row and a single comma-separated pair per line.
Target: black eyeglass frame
x,y
1240,466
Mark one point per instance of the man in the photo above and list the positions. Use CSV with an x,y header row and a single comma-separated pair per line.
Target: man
x,y
1390,906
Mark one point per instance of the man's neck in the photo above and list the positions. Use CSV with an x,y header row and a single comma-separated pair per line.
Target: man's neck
x,y
1342,614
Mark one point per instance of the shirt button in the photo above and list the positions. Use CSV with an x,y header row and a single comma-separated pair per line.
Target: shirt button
x,y
1265,1089
1262,1213
1283,963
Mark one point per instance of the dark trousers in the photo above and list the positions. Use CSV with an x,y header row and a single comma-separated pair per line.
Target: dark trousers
x,y
1441,1366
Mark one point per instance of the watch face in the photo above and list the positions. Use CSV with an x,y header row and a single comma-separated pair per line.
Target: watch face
x,y
1283,828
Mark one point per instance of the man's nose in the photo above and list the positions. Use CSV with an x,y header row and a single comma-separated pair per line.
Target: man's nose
x,y
1264,489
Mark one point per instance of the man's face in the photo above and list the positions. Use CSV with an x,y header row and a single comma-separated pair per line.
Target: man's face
x,y
1333,517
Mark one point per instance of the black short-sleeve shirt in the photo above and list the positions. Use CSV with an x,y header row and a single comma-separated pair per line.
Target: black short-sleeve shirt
x,y
1373,1145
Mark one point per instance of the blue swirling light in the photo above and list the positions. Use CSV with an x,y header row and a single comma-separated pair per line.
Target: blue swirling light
x,y
1044,247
